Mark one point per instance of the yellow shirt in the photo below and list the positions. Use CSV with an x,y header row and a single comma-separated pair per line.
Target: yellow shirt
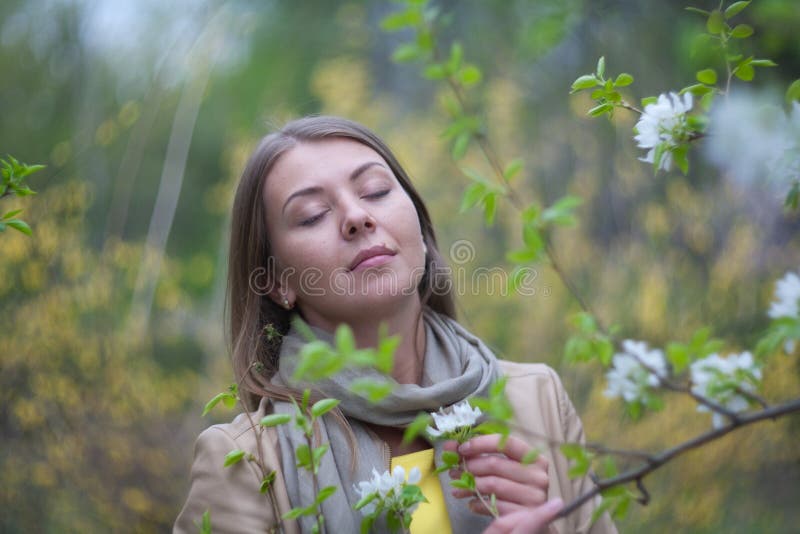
x,y
429,517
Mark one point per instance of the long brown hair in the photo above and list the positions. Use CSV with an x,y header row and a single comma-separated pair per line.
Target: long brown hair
x,y
257,323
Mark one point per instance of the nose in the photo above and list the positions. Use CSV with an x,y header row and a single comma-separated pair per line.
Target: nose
x,y
357,220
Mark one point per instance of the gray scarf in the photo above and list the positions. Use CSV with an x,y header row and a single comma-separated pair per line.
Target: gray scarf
x,y
457,365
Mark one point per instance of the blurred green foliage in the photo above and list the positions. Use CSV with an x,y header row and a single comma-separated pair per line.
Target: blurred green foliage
x,y
102,380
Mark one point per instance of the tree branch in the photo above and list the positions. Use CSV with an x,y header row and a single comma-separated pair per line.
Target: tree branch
x,y
656,461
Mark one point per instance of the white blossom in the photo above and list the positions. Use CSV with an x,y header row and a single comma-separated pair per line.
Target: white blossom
x,y
459,416
754,141
387,486
663,123
628,378
718,378
786,303
787,297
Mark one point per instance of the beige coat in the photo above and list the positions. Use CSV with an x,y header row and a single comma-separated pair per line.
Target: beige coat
x,y
232,496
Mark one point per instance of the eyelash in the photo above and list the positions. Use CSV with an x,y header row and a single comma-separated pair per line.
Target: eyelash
x,y
311,220
378,194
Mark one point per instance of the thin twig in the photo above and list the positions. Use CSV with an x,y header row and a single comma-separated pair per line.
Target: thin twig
x,y
515,199
485,504
630,107
636,475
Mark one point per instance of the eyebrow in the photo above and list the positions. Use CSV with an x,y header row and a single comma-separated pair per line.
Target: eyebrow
x,y
358,171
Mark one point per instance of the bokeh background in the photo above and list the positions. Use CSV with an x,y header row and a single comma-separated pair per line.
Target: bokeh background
x,y
144,111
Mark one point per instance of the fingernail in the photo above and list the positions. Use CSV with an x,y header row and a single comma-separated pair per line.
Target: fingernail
x,y
464,447
554,505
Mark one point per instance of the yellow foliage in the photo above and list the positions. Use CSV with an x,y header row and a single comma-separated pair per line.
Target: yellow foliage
x,y
84,405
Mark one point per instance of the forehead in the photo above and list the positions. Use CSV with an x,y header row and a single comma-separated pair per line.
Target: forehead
x,y
315,163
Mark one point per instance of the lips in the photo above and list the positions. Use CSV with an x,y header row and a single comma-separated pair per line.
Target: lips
x,y
366,256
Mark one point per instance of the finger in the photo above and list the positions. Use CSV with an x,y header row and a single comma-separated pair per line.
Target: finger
x,y
514,448
528,521
505,490
501,466
503,507
451,446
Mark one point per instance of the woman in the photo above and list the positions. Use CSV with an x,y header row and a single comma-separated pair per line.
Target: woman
x,y
326,224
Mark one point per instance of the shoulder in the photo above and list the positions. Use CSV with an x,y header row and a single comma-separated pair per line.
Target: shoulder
x,y
537,396
521,377
240,431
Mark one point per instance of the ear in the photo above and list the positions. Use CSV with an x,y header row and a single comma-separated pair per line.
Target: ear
x,y
284,297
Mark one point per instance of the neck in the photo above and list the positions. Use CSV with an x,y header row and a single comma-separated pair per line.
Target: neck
x,y
404,321
408,324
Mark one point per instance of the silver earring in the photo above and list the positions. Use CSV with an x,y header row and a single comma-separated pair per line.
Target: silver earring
x,y
286,303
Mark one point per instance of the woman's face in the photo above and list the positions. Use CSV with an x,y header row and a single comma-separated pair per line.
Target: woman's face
x,y
345,236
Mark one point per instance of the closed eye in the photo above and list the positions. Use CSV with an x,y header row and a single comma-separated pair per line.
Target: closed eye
x,y
378,194
311,220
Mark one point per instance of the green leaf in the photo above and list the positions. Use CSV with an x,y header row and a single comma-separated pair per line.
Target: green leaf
x,y
601,67
707,76
678,356
324,493
489,208
450,459
696,89
323,406
11,214
661,149
530,457
492,427
793,92
303,455
371,390
763,63
345,342
406,52
294,513
268,481
384,358
233,457
276,419
584,82
402,19
742,31
623,80
456,56
473,194
697,10
522,256
365,500
579,456
470,75
435,71
213,402
460,145
512,169
24,191
680,158
560,212
205,523
600,109
715,23
317,454
745,72
735,8
17,224
646,101
467,481
416,427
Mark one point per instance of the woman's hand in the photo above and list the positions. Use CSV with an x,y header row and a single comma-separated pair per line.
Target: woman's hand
x,y
516,487
532,521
